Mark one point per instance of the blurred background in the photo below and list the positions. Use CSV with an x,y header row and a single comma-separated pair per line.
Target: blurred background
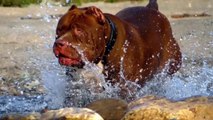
x,y
22,3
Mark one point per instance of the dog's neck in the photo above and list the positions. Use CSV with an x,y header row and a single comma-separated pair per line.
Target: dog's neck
x,y
111,39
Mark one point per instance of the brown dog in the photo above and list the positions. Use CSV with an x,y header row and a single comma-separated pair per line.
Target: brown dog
x,y
133,45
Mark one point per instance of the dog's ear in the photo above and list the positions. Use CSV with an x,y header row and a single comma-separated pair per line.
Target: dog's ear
x,y
97,13
73,7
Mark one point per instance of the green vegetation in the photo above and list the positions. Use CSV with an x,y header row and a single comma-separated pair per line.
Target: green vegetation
x,y
19,3
111,1
22,3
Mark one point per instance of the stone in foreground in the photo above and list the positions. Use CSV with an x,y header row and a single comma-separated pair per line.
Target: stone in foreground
x,y
71,114
109,109
29,116
152,108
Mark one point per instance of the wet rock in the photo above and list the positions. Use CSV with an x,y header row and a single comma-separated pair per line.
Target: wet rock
x,y
153,108
147,108
71,114
109,109
31,116
61,114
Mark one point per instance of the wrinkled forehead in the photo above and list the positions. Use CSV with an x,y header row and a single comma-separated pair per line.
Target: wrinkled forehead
x,y
75,16
70,16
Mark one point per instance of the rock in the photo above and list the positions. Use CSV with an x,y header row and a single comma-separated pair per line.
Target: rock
x,y
146,108
71,114
153,108
30,116
109,109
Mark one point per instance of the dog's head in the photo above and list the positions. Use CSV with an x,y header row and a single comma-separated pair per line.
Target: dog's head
x,y
80,36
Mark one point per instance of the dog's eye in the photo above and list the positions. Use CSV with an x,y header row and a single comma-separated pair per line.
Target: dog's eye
x,y
78,32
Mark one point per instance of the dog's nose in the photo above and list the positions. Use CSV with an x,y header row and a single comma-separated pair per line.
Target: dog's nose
x,y
59,46
60,43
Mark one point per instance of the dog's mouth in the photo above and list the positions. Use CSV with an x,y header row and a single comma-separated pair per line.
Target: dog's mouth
x,y
63,60
68,61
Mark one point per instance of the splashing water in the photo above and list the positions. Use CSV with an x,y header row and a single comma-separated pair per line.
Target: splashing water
x,y
189,81
121,72
195,78
87,84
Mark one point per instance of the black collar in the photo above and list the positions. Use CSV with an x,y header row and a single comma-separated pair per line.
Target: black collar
x,y
113,36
